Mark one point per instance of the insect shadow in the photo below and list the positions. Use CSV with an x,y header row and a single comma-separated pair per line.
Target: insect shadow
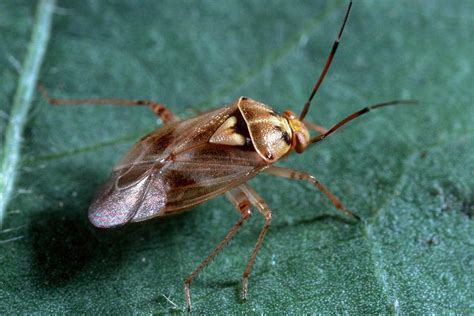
x,y
66,247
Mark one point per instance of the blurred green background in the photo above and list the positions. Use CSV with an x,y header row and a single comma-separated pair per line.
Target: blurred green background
x,y
407,171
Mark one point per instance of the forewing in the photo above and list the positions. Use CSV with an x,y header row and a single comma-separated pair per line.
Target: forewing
x,y
171,169
114,206
198,175
129,184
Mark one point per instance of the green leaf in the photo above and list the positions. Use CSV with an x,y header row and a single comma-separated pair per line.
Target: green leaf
x,y
408,171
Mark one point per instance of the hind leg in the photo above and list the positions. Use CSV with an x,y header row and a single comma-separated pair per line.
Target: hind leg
x,y
160,110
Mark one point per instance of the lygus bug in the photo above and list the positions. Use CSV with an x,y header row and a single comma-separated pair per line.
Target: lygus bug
x,y
187,162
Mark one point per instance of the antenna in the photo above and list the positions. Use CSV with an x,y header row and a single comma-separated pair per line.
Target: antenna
x,y
328,64
356,115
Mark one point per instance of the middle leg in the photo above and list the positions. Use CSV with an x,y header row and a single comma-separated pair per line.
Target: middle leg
x,y
239,200
263,208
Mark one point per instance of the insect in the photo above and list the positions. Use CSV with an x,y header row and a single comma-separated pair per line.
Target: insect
x,y
187,162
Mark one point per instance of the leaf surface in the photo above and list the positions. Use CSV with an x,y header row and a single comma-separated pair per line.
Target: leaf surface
x,y
407,171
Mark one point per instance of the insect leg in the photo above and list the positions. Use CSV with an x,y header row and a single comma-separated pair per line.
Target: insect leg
x,y
316,127
242,204
298,175
159,109
263,208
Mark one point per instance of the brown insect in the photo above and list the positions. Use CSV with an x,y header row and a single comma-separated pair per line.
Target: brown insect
x,y
187,162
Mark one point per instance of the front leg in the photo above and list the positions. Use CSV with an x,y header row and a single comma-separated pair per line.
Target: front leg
x,y
298,175
318,128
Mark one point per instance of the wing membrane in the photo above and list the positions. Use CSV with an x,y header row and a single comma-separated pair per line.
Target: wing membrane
x,y
172,169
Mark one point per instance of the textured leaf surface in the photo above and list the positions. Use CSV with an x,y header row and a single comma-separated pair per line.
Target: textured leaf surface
x,y
408,171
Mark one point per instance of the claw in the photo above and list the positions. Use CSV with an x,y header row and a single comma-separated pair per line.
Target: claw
x,y
357,217
350,214
187,296
245,287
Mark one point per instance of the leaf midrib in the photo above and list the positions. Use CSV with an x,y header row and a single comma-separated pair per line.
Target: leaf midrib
x,y
11,152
